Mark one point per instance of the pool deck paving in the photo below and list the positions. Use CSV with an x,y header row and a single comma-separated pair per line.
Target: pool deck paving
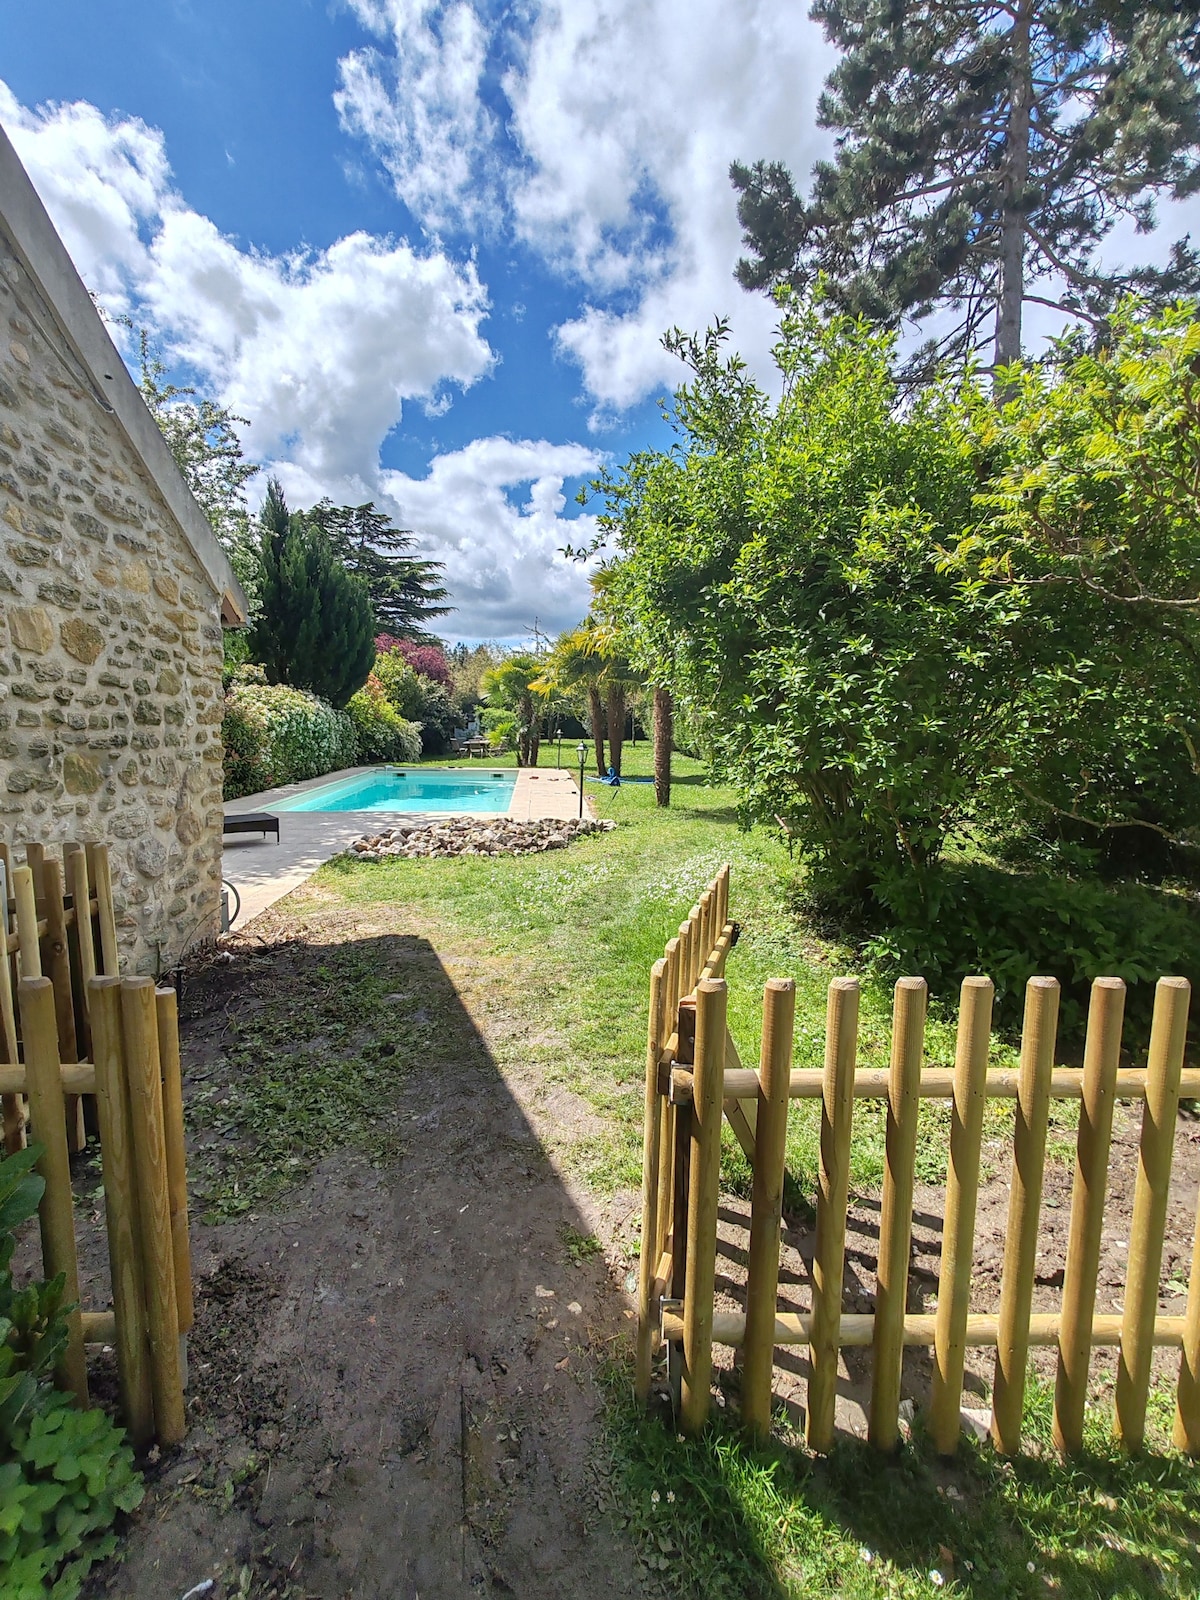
x,y
262,871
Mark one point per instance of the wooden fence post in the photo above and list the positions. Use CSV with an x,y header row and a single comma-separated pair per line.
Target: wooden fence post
x,y
1102,1051
958,1228
29,955
1186,1433
58,965
144,1073
13,1110
895,1217
1168,1036
166,1003
651,1155
837,1112
56,1214
703,1196
1038,1036
666,1111
100,873
766,1204
75,861
121,1209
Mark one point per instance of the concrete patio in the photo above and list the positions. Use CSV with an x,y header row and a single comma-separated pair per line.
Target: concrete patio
x,y
263,872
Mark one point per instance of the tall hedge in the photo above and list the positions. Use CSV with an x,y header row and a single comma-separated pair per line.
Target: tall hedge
x,y
275,735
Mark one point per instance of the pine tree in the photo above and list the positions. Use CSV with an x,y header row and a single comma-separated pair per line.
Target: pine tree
x,y
316,629
406,590
985,152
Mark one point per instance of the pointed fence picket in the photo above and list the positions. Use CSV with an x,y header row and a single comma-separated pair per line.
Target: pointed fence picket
x,y
694,1073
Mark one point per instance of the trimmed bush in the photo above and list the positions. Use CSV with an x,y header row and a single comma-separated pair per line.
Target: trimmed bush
x,y
275,735
383,734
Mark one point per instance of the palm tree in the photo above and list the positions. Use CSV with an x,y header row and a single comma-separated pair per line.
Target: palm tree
x,y
576,668
514,684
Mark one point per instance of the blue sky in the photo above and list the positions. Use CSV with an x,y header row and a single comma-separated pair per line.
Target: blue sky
x,y
427,249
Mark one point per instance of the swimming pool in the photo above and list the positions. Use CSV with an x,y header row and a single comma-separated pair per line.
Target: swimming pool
x,y
400,789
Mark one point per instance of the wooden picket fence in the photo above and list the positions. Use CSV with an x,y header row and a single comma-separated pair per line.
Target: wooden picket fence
x,y
79,1029
694,1077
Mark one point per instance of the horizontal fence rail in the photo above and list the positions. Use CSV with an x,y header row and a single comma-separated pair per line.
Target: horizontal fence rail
x,y
695,1078
70,1026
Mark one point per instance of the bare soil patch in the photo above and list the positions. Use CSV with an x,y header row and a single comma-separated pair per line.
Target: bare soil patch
x,y
393,1370
862,1240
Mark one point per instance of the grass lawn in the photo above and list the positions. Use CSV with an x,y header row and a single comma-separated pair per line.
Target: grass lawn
x,y
571,935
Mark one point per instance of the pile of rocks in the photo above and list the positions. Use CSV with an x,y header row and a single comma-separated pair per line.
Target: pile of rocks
x,y
475,836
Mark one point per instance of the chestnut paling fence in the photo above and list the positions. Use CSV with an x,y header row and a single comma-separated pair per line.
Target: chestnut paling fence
x,y
695,1079
71,1027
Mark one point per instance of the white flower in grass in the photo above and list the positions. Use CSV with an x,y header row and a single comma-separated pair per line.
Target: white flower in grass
x,y
865,1556
654,1497
670,1497
936,1578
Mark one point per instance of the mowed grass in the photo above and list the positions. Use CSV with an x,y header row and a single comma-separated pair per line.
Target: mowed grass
x,y
573,934
582,927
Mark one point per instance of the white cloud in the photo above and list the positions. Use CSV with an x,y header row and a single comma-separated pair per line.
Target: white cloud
x,y
502,562
420,106
625,115
104,181
320,349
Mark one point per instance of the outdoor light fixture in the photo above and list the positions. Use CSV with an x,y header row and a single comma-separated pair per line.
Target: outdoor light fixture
x,y
581,752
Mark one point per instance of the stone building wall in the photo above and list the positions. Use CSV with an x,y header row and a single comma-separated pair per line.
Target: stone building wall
x,y
110,644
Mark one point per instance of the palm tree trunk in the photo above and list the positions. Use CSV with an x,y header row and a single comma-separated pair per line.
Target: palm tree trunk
x,y
616,725
596,715
664,733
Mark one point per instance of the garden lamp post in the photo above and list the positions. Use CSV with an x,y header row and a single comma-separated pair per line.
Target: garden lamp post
x,y
581,752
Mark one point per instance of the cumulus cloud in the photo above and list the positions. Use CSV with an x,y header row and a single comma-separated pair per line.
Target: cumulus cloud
x,y
321,350
500,546
623,118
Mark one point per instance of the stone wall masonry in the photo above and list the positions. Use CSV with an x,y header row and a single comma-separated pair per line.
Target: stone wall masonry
x,y
110,646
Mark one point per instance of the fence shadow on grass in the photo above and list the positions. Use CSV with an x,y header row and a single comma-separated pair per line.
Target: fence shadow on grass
x,y
779,1524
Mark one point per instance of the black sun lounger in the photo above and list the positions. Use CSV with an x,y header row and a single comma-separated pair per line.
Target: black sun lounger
x,y
253,822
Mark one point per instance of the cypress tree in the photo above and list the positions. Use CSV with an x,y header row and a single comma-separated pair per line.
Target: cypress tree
x,y
985,152
316,630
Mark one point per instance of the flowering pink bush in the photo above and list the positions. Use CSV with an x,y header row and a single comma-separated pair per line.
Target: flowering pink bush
x,y
427,660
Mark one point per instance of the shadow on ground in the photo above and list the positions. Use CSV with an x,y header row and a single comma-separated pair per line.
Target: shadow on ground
x,y
392,1369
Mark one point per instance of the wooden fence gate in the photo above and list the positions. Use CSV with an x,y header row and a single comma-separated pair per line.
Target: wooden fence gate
x,y
694,1079
78,1028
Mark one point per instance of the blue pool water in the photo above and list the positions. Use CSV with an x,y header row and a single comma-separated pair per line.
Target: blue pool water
x,y
485,794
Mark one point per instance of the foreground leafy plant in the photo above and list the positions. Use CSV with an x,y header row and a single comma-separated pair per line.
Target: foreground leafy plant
x,y
69,1475
64,1474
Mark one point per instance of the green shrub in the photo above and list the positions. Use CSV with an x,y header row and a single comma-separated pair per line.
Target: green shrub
x,y
1014,926
418,699
275,735
382,733
499,725
68,1474
64,1473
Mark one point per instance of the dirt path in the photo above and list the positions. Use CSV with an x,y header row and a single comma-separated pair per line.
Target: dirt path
x,y
393,1376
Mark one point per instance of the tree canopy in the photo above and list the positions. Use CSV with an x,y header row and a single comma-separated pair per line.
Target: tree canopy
x,y
406,590
985,152
844,593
